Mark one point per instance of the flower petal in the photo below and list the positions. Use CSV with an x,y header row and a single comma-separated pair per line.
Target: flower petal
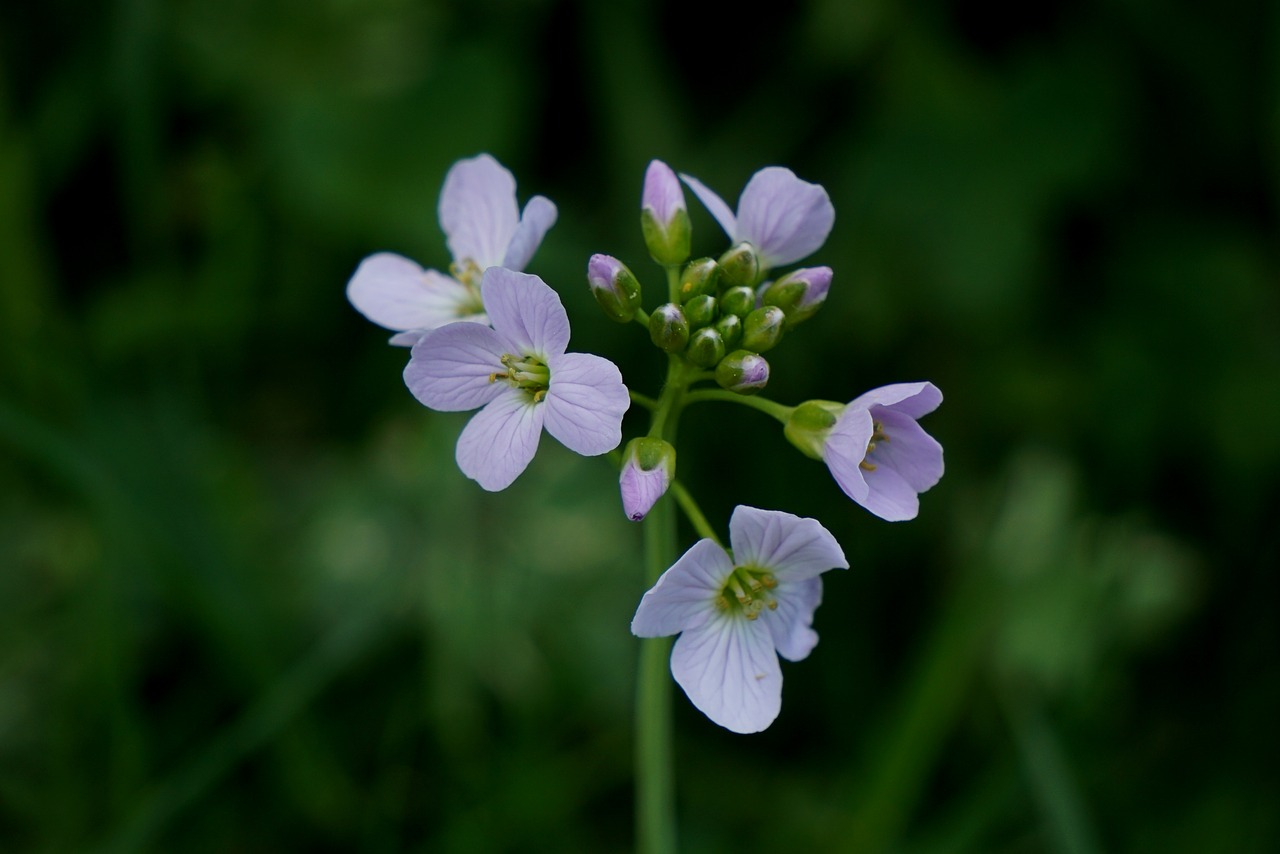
x,y
585,403
714,204
685,594
526,312
846,448
913,399
784,217
538,217
912,453
396,293
790,625
729,670
449,368
500,440
790,547
478,210
889,496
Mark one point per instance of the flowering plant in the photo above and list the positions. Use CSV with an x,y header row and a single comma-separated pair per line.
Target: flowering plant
x,y
493,338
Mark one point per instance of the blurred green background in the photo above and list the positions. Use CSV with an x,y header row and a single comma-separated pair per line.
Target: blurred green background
x,y
248,603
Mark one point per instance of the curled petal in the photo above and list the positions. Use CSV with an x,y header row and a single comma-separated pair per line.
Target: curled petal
x,y
396,293
846,448
912,453
684,596
791,625
538,217
784,217
478,210
714,204
585,403
913,399
790,547
449,369
526,312
730,671
500,440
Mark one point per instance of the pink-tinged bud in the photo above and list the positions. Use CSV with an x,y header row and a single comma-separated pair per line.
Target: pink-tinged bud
x,y
664,218
800,293
743,372
648,467
614,287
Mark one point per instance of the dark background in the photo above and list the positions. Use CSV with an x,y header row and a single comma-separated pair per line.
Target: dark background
x,y
248,603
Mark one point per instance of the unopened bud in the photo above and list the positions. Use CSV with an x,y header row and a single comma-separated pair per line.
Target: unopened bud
x,y
810,423
706,347
648,467
800,293
669,328
740,301
743,371
762,328
701,311
740,265
664,219
701,276
614,287
730,329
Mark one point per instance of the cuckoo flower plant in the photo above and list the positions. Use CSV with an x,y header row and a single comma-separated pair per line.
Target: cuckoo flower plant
x,y
521,376
484,228
736,612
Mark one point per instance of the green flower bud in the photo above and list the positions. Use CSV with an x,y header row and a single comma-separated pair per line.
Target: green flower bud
x,y
669,328
743,371
614,287
699,277
706,347
740,266
762,328
800,293
740,301
701,311
810,423
730,329
664,220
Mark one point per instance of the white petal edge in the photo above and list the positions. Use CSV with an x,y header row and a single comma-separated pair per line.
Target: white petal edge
x,y
478,211
449,367
500,440
684,596
526,311
729,670
714,204
914,399
585,403
538,217
790,547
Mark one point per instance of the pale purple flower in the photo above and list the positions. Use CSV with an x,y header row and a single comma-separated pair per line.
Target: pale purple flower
x,y
519,372
484,228
662,195
880,456
737,612
783,217
648,467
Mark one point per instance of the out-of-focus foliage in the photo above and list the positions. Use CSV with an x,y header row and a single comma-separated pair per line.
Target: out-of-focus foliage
x,y
248,603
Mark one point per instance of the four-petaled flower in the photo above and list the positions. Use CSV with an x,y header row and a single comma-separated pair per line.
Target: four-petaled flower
x,y
519,372
783,217
736,613
880,456
484,228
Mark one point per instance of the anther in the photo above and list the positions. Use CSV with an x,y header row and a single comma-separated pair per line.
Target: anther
x,y
866,466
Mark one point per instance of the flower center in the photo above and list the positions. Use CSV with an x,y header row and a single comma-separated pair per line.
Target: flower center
x,y
527,373
468,272
877,435
746,591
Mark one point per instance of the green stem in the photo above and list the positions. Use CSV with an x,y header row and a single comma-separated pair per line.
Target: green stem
x,y
644,400
694,512
769,407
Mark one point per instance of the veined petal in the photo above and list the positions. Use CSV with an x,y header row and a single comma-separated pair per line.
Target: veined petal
x,y
526,311
784,217
791,623
714,204
728,667
585,403
500,440
538,217
889,496
478,210
790,547
912,453
913,399
450,367
846,448
396,293
685,594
